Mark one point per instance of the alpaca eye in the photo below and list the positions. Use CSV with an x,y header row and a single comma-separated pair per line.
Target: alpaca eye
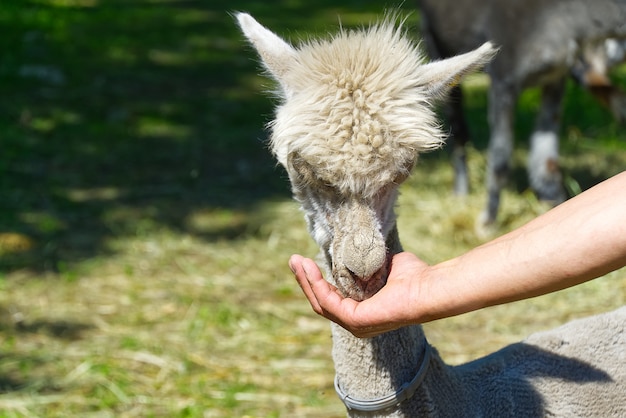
x,y
303,168
404,173
401,177
308,175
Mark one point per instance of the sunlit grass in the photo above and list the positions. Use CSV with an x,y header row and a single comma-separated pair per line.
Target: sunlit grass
x,y
145,230
174,325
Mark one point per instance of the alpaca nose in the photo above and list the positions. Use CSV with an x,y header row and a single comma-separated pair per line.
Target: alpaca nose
x,y
365,254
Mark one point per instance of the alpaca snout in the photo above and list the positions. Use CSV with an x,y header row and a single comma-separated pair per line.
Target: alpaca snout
x,y
357,287
364,255
357,277
360,269
358,255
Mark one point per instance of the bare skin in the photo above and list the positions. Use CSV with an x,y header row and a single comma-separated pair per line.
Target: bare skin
x,y
579,240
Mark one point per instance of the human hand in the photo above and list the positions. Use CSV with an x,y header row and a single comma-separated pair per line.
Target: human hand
x,y
394,306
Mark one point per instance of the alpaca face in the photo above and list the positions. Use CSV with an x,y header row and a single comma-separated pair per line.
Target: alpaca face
x,y
354,230
356,112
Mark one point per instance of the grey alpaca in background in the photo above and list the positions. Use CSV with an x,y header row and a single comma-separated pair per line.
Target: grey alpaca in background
x,y
356,111
542,42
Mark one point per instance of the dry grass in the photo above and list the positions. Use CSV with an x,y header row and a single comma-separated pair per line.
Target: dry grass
x,y
173,325
144,235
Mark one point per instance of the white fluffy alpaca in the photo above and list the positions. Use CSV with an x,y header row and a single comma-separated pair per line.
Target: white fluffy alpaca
x,y
356,112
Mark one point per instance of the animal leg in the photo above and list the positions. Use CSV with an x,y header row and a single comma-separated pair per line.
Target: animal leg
x,y
453,109
460,137
501,108
543,162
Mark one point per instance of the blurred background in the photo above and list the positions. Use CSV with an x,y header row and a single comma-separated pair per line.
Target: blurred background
x,y
145,227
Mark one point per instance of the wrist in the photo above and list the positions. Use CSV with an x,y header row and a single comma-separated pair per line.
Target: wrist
x,y
429,297
444,291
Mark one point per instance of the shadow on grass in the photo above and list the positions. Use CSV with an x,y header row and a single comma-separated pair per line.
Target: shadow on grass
x,y
16,361
119,117
8,384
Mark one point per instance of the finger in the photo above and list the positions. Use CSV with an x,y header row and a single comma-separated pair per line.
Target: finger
x,y
325,299
319,287
295,264
333,304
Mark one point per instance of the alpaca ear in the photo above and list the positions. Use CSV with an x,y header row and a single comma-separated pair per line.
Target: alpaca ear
x,y
441,76
276,54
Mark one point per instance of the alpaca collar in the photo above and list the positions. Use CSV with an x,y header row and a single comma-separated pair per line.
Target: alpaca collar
x,y
405,392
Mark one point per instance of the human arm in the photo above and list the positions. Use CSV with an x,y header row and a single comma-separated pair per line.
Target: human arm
x,y
577,241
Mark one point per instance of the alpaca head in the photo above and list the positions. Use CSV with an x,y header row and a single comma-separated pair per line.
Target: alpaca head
x,y
356,111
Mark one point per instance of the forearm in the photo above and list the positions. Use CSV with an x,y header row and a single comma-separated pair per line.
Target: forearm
x,y
581,239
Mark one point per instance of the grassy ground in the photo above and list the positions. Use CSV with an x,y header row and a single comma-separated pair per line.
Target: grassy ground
x,y
144,228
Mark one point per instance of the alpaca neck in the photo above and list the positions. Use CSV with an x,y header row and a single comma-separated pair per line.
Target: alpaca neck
x,y
374,368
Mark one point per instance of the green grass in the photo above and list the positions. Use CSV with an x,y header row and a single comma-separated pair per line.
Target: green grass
x,y
144,227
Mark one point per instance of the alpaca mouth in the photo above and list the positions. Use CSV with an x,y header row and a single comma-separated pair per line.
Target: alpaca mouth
x,y
361,288
368,288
